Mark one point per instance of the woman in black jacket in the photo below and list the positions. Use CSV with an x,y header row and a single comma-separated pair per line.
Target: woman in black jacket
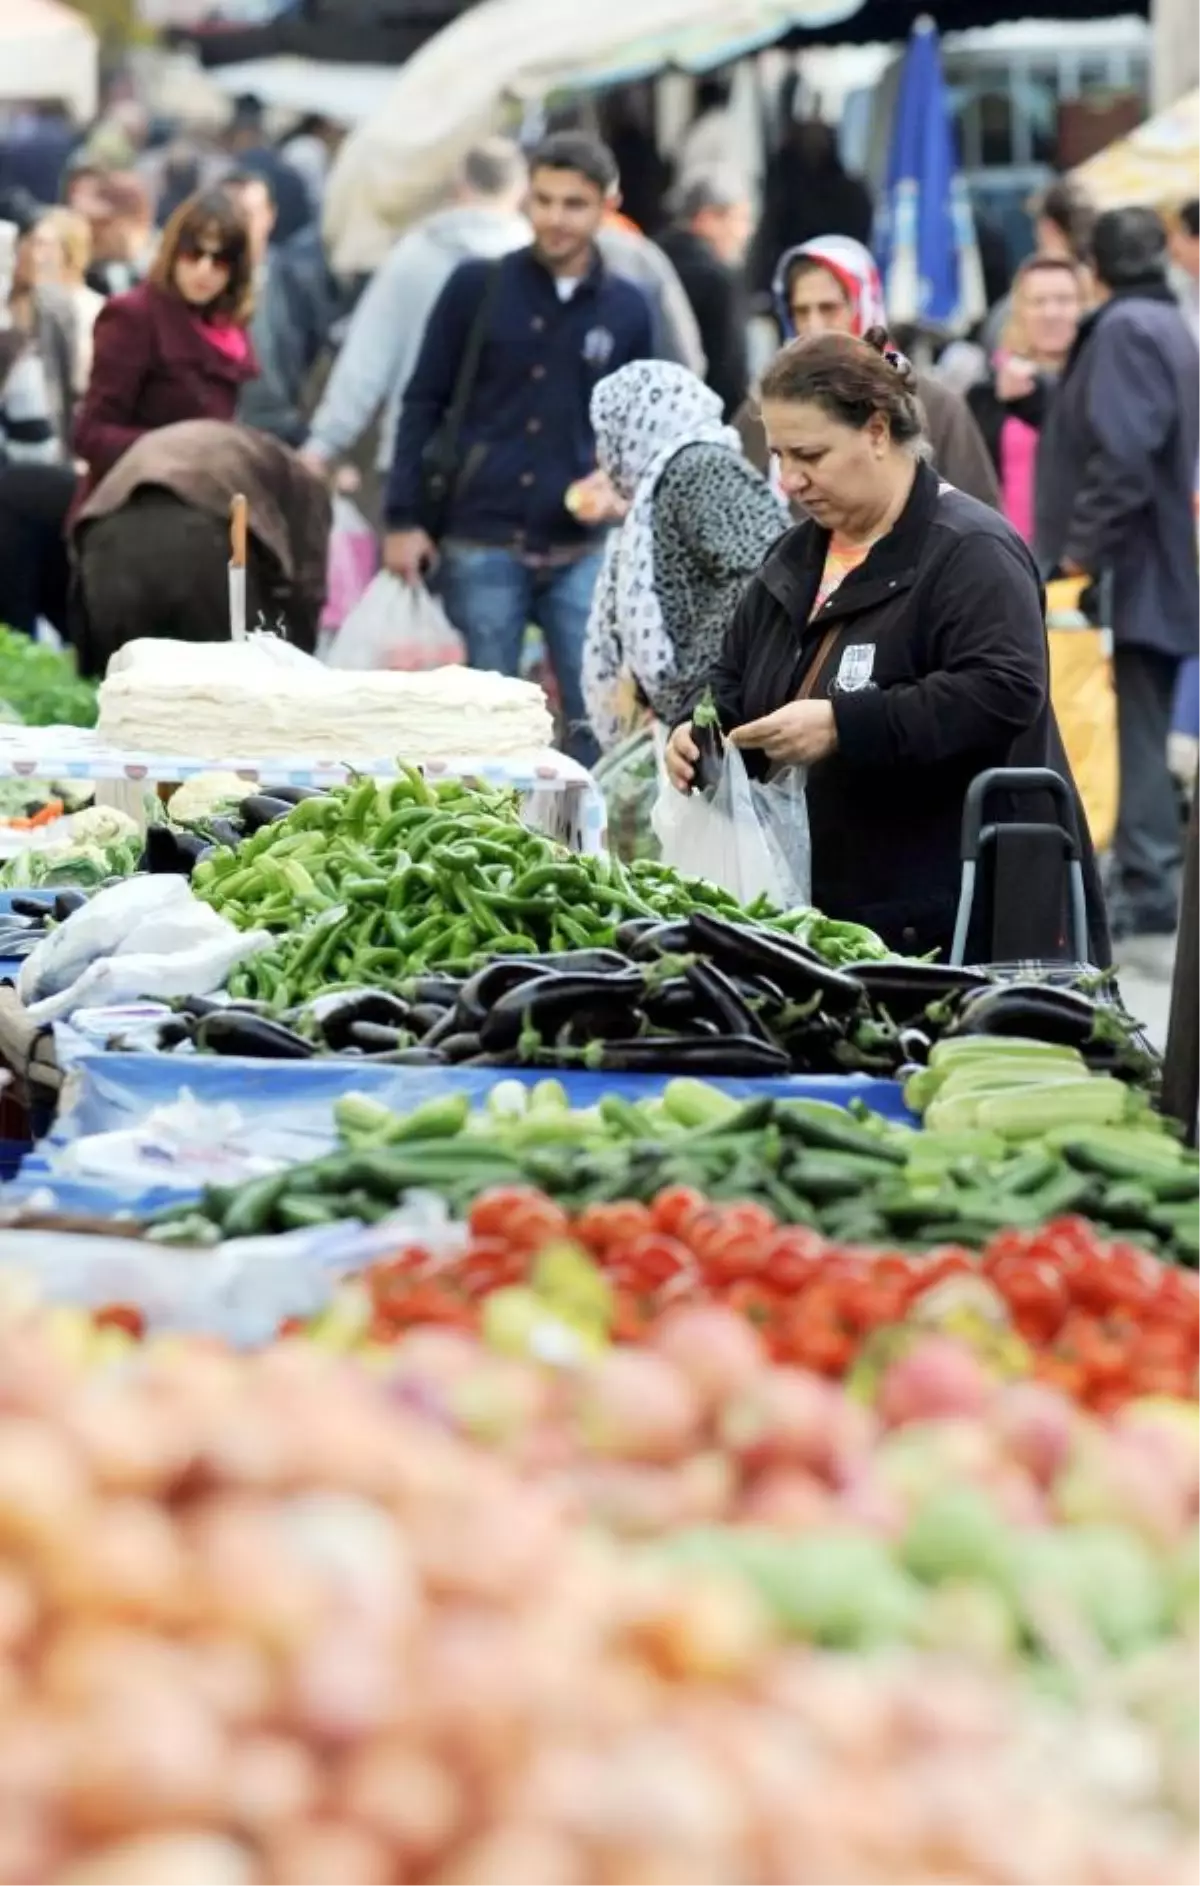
x,y
894,645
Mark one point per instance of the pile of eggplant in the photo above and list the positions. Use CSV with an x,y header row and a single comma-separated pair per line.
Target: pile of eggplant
x,y
707,995
174,849
25,922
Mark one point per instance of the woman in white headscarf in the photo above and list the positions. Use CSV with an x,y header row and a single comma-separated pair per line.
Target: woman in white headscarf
x,y
699,523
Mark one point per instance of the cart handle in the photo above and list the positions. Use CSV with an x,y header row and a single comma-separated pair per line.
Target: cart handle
x,y
1018,779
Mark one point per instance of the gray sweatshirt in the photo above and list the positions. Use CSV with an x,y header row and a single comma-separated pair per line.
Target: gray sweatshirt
x,y
384,337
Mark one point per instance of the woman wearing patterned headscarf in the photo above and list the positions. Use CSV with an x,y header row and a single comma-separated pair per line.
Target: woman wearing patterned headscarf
x,y
699,523
832,285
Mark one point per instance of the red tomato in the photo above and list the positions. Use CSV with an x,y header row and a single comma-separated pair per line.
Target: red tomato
x,y
1061,1372
1035,1292
820,1300
820,1343
124,1316
675,1207
1069,1242
630,1320
748,1216
653,1258
489,1261
752,1300
727,1257
1160,1343
601,1227
1099,1355
1165,1379
950,1261
494,1212
792,1257
1177,1297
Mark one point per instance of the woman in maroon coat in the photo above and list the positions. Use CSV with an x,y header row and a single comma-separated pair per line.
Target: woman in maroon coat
x,y
179,346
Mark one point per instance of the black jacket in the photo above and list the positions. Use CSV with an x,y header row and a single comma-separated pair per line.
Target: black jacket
x,y
937,669
1116,469
719,305
990,411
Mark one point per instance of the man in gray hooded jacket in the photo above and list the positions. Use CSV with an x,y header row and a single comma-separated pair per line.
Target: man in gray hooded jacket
x,y
384,337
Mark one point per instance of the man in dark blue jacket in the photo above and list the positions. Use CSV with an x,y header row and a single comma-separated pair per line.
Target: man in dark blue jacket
x,y
1116,484
517,545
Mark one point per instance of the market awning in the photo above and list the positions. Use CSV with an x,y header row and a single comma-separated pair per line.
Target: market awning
x,y
1158,164
48,52
345,93
455,88
893,20
332,32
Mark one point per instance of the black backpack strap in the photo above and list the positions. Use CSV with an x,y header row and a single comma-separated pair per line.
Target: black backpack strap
x,y
468,371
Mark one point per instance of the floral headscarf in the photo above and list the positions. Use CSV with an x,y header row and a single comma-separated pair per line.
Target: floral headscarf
x,y
642,415
852,265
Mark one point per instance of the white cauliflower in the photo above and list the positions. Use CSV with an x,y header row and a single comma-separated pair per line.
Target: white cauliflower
x,y
206,796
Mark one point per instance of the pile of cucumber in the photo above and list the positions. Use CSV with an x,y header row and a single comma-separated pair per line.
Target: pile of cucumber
x,y
851,1174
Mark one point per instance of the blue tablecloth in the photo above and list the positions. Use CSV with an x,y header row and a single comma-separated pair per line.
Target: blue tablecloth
x,y
109,1092
115,1090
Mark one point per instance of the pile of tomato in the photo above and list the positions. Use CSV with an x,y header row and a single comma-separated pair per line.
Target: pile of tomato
x,y
1104,1321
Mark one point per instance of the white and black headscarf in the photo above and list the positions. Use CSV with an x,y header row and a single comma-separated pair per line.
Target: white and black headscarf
x,y
642,415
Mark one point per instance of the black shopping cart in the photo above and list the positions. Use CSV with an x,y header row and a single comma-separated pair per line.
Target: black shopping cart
x,y
1022,908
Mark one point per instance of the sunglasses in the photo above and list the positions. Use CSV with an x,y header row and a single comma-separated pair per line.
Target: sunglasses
x,y
191,249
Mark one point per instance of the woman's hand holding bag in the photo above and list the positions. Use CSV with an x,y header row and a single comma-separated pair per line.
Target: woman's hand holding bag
x,y
798,734
749,837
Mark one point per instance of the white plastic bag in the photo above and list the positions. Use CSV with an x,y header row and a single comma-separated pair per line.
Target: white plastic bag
x,y
200,969
98,928
751,838
397,625
352,562
148,936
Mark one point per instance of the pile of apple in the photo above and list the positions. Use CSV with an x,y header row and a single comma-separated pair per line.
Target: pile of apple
x,y
958,1478
266,1618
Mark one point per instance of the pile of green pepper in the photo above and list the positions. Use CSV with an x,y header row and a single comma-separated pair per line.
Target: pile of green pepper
x,y
371,883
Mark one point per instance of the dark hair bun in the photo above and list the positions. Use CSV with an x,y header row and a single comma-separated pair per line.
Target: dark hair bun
x,y
879,340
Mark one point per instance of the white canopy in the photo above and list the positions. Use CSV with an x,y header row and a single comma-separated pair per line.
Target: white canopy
x,y
48,51
455,87
345,93
1158,164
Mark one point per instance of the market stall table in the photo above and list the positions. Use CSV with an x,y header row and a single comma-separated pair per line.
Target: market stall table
x,y
290,1106
560,795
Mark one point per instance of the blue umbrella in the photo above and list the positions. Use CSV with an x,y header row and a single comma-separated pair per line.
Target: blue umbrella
x,y
924,238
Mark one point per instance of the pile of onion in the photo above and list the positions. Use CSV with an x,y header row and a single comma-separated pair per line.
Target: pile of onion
x,y
259,1621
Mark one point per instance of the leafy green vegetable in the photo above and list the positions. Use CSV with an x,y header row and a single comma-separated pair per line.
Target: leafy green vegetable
x,y
75,863
41,686
705,712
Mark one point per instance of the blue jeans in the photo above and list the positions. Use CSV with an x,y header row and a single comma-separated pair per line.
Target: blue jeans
x,y
491,596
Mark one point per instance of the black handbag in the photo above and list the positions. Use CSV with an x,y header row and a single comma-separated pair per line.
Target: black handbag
x,y
441,466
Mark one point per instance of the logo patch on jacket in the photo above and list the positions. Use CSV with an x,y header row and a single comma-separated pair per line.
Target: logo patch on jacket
x,y
856,667
598,344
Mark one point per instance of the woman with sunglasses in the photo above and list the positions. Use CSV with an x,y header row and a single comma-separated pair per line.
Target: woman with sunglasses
x,y
178,347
